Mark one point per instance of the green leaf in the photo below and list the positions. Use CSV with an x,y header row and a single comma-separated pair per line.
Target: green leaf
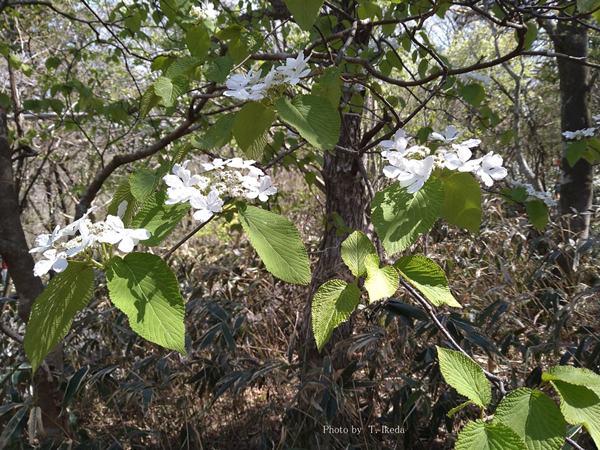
x,y
574,375
197,40
465,376
329,85
355,249
142,183
149,101
458,408
217,136
124,194
169,90
368,10
575,150
587,5
53,311
143,287
479,435
159,219
315,118
181,65
278,243
304,11
473,94
381,282
251,128
462,201
537,211
332,305
535,417
427,277
219,69
580,405
400,218
52,63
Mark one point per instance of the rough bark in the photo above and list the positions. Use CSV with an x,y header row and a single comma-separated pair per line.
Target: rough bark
x,y
576,185
15,252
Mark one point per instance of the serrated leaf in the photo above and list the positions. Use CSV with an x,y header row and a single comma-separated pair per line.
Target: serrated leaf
x,y
217,135
381,282
400,218
355,249
535,417
304,11
465,376
585,6
123,194
218,70
473,94
462,201
197,40
580,405
315,118
159,219
329,85
537,211
181,65
332,304
251,128
479,435
143,287
170,89
278,243
575,150
574,375
53,311
149,101
427,277
142,183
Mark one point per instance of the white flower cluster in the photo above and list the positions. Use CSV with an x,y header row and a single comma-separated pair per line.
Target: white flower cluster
x,y
579,134
533,194
253,87
412,166
91,235
226,179
207,11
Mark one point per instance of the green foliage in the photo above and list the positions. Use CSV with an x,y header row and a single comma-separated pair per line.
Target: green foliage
x,y
483,436
427,277
535,417
143,287
218,135
332,305
400,218
142,183
314,117
355,249
464,375
278,243
124,194
462,201
381,282
170,89
159,219
579,391
251,128
304,11
53,311
329,85
218,69
537,211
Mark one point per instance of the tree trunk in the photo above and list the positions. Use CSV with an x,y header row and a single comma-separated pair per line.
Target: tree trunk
x,y
576,184
15,252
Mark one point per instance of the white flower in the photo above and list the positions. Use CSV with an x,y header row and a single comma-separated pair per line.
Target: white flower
x,y
122,209
461,160
491,169
398,144
73,228
415,174
181,184
596,118
469,143
579,134
46,241
448,135
241,87
217,163
295,68
261,188
56,261
126,237
396,160
239,163
206,205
